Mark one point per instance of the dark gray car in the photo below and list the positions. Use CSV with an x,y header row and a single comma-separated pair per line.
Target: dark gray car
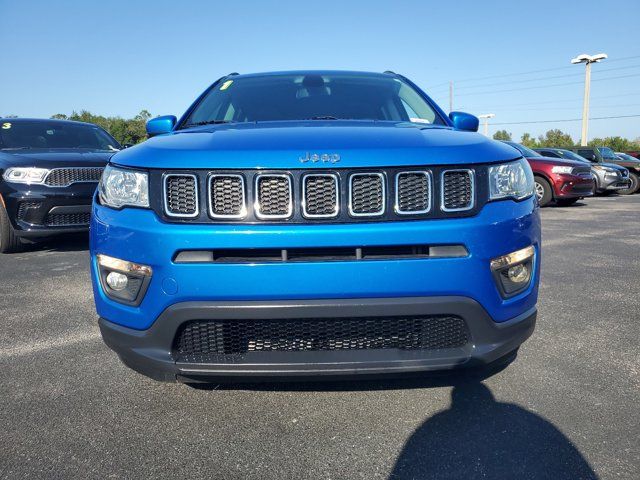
x,y
608,177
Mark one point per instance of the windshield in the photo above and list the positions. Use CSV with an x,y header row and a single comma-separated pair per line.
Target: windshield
x,y
526,152
607,153
44,134
571,155
312,97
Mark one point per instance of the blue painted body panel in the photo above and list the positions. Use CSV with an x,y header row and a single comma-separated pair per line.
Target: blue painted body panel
x,y
139,235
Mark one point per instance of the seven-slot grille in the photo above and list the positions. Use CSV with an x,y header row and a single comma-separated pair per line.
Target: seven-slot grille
x,y
274,197
227,196
366,194
320,195
457,190
202,341
342,195
63,177
413,192
181,195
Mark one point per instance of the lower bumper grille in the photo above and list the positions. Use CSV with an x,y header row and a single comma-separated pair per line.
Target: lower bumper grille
x,y
203,341
67,219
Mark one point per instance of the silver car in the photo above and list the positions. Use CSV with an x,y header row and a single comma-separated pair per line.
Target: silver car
x,y
607,177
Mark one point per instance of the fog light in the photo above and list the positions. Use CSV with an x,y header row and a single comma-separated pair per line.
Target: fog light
x,y
123,281
512,272
518,273
117,281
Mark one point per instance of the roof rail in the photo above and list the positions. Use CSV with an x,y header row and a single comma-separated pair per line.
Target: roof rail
x,y
390,72
233,73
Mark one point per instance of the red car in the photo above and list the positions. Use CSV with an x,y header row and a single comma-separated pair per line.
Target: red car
x,y
562,180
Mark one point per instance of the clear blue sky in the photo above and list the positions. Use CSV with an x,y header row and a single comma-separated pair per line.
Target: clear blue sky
x,y
118,57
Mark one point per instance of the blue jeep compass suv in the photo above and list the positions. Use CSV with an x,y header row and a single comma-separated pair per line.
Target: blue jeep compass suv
x,y
314,224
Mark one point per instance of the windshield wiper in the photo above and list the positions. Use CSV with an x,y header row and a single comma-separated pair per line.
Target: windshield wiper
x,y
323,117
206,122
16,148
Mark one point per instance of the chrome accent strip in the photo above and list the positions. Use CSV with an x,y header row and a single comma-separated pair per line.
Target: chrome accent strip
x,y
473,190
384,194
304,196
427,174
166,176
243,211
256,194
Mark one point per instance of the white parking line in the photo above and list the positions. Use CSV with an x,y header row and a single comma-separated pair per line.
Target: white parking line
x,y
47,344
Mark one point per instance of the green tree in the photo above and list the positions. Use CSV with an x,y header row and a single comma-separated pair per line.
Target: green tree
x,y
617,144
555,138
125,130
502,135
528,141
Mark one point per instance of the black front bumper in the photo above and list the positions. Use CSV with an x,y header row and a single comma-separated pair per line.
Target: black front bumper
x,y
40,211
151,352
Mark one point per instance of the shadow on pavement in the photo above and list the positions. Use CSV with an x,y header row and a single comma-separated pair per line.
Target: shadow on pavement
x,y
478,437
71,242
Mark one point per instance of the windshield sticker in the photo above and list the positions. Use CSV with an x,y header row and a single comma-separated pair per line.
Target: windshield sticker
x,y
226,84
49,132
6,126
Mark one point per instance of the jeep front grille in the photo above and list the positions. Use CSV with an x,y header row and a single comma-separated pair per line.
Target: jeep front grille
x,y
366,194
457,190
413,192
227,196
273,196
181,195
319,196
63,177
203,341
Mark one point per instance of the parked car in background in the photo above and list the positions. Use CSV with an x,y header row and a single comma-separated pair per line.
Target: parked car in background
x,y
561,180
608,177
49,170
625,156
606,155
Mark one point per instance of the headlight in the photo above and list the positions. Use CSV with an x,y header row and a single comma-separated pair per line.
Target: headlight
x,y
119,187
560,169
28,175
511,180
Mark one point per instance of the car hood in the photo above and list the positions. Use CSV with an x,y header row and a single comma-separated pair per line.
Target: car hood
x,y
53,158
563,162
283,144
613,166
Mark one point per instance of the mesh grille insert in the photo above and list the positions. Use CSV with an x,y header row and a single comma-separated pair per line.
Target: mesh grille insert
x,y
227,196
67,219
367,194
273,196
202,341
457,190
62,177
320,195
413,193
181,195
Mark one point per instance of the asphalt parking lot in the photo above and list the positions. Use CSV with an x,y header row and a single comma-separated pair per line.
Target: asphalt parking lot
x,y
567,408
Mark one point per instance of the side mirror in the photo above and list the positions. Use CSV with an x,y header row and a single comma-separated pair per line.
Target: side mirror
x,y
464,121
160,125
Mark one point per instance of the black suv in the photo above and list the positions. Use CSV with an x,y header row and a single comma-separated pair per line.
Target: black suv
x,y
606,155
49,170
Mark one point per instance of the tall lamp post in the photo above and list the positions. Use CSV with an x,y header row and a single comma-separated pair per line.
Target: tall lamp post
x,y
485,117
587,60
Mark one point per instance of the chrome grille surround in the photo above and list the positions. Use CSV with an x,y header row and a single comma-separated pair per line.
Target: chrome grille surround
x,y
182,196
427,187
467,189
311,204
283,198
241,202
356,205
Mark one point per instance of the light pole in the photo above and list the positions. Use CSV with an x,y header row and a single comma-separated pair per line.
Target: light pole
x,y
485,123
587,60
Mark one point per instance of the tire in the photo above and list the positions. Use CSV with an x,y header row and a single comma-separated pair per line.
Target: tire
x,y
9,241
635,183
543,191
565,202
